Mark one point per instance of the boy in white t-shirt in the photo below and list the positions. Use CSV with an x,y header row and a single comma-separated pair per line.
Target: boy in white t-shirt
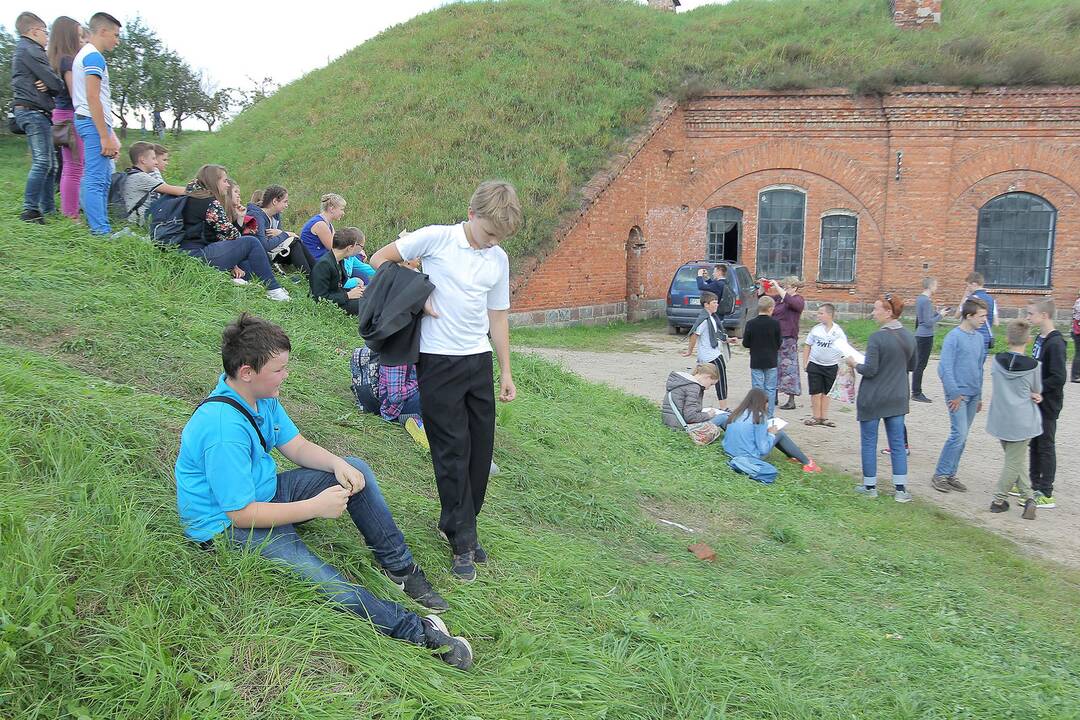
x,y
821,358
471,274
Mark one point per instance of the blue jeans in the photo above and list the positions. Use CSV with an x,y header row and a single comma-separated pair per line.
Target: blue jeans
x,y
41,181
245,251
959,426
766,380
97,172
372,518
868,435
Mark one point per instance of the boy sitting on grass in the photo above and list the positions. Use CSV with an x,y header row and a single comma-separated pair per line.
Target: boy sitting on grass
x,y
228,488
327,279
143,187
1014,416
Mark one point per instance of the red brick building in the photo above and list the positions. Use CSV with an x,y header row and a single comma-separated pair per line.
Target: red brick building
x,y
855,194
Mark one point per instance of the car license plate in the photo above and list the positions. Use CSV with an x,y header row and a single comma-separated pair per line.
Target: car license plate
x,y
695,301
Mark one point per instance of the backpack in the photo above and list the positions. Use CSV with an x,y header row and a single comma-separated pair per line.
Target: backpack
x,y
166,216
701,433
365,379
727,302
117,186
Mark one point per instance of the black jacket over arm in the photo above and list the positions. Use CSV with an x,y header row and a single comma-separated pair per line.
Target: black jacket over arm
x,y
28,65
391,312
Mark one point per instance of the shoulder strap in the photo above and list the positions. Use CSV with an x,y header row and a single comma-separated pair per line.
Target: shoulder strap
x,y
242,410
675,410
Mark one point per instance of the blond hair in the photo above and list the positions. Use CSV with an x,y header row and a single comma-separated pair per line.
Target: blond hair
x,y
765,304
497,202
332,200
707,369
790,282
1018,332
1045,305
232,210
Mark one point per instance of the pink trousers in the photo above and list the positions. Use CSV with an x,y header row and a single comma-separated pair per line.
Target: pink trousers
x,y
73,169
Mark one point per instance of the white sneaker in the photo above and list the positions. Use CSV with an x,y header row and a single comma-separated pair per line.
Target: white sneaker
x,y
239,281
278,294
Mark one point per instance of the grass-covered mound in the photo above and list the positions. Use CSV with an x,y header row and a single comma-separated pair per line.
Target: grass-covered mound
x,y
543,92
820,605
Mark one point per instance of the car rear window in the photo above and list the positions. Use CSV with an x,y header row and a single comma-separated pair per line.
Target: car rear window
x,y
685,280
745,281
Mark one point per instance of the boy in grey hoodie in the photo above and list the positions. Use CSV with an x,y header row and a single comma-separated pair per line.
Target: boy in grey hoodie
x,y
1014,416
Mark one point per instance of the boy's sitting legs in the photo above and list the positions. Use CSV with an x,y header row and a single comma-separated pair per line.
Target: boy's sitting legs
x,y
372,518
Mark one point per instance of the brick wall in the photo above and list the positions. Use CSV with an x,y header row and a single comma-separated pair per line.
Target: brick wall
x,y
911,14
960,148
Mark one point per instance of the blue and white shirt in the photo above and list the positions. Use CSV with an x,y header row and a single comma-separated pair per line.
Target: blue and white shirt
x,y
90,61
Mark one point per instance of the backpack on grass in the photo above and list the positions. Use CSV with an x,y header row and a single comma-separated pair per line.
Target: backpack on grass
x,y
167,220
117,186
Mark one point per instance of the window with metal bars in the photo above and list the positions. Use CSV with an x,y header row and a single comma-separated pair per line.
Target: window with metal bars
x,y
839,235
781,224
1014,243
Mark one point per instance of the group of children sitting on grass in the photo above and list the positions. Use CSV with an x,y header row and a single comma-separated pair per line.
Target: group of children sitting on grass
x,y
248,241
1027,393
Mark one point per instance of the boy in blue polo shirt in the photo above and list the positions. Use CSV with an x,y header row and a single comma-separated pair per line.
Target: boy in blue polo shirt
x,y
228,487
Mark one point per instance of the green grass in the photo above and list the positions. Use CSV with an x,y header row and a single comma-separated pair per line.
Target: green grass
x,y
819,606
544,92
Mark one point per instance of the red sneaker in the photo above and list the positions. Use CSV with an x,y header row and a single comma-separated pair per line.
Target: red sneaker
x,y
811,467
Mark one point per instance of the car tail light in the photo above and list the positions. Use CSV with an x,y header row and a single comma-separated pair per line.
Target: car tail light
x,y
738,302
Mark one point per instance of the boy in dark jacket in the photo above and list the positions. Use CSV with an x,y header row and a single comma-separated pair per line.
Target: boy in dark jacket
x,y
33,86
1049,350
762,336
328,275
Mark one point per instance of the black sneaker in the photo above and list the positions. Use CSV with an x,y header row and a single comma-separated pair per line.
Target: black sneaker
x,y
480,554
458,653
464,566
999,506
1029,509
32,216
416,585
919,397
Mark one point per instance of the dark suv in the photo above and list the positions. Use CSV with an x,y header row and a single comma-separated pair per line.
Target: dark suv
x,y
684,298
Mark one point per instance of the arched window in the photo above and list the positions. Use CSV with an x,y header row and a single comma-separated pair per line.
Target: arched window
x,y
781,224
839,234
1014,244
725,234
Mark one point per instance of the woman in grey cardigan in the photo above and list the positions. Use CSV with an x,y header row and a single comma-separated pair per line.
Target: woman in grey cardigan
x,y
884,393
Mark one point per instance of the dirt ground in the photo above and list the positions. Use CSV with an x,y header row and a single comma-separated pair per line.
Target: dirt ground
x,y
1053,535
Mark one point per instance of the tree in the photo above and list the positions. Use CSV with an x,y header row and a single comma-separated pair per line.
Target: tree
x,y
130,67
214,103
259,91
184,94
7,52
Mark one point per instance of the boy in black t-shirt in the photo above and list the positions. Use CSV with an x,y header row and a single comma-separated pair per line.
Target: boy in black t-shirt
x,y
762,336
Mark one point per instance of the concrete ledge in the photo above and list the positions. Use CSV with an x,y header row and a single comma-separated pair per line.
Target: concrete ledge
x,y
585,315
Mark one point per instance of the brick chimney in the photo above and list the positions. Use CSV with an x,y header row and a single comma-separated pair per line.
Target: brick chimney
x,y
668,5
913,14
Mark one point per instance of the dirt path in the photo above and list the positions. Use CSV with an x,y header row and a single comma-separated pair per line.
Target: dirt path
x,y
1053,535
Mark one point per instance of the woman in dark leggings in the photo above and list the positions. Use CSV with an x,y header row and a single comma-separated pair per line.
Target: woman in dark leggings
x,y
747,432
212,235
281,245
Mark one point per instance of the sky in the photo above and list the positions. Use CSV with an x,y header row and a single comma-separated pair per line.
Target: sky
x,y
239,43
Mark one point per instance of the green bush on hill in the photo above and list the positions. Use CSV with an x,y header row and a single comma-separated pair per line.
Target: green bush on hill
x,y
543,92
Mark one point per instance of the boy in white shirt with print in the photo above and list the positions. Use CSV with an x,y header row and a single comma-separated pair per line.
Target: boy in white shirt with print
x,y
471,274
821,358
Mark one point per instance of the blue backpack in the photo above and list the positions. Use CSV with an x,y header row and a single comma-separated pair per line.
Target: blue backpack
x,y
167,220
755,468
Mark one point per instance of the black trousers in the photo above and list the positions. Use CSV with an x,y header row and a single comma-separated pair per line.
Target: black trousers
x,y
1044,457
457,401
923,346
300,258
721,385
1076,359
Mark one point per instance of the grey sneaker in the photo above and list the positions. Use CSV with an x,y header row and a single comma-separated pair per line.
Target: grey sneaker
x,y
955,484
415,584
458,651
464,568
902,496
941,484
1029,509
865,491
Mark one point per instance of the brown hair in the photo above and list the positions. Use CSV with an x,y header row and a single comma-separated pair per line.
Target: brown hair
x,y
975,277
27,21
1045,305
102,19
234,213
272,193
756,402
347,237
1018,332
829,308
161,149
722,268
257,198
250,340
137,150
972,306
708,297
209,177
895,303
65,40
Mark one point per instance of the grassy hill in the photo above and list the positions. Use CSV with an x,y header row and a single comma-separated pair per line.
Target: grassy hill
x,y
820,605
543,92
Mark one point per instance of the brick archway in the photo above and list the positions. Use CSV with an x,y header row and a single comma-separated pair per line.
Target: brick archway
x,y
836,167
1055,161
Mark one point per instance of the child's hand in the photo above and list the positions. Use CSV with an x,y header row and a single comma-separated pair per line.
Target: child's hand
x,y
1036,397
685,353
350,478
429,308
330,503
237,272
356,293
